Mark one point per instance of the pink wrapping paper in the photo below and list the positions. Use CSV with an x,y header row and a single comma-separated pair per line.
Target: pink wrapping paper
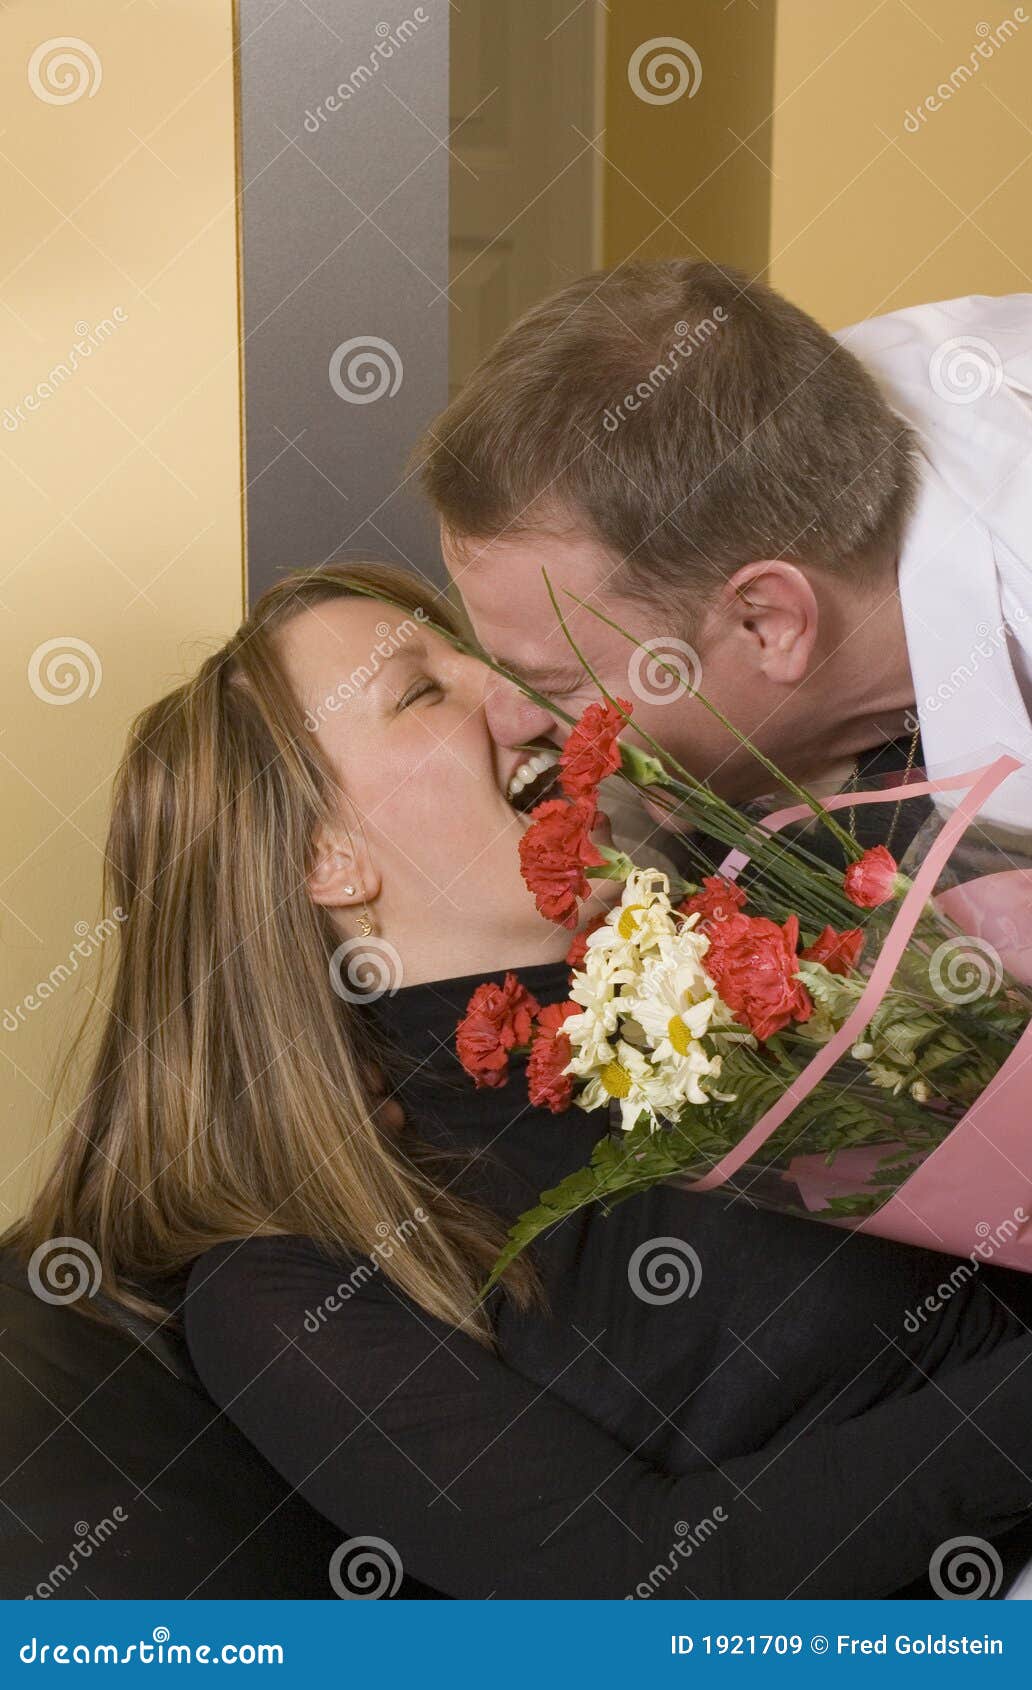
x,y
977,1184
998,909
849,1171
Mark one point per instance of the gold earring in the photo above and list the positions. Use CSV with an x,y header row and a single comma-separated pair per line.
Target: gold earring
x,y
366,925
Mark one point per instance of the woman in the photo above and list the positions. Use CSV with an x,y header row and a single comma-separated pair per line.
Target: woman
x,y
323,793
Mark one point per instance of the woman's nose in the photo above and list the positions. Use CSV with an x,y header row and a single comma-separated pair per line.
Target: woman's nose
x,y
512,718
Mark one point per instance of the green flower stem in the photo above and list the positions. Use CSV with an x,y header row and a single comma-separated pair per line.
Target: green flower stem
x,y
806,797
723,820
802,884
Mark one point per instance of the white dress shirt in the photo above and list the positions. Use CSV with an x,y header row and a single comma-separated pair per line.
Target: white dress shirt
x,y
960,372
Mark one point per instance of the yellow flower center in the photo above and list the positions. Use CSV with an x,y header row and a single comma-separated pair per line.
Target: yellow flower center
x,y
628,921
616,1079
678,1035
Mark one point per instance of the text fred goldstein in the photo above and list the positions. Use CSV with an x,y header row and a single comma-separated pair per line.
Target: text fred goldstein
x,y
907,1643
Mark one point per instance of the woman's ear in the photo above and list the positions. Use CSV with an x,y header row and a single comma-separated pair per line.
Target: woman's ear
x,y
342,874
774,609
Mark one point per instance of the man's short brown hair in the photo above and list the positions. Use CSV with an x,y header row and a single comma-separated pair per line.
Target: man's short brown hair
x,y
690,419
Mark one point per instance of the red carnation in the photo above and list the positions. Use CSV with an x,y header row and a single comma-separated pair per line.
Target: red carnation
x,y
548,1086
717,899
579,943
555,851
839,952
872,880
753,962
496,1019
591,752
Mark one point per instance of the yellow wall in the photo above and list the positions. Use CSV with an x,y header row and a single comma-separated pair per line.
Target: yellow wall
x,y
120,490
678,180
870,215
804,156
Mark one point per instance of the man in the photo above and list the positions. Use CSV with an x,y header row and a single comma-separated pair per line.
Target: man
x,y
830,538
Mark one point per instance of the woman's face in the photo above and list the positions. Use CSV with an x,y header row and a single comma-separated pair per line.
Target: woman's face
x,y
399,715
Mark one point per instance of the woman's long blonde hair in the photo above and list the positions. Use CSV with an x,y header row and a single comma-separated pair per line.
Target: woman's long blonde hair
x,y
231,1093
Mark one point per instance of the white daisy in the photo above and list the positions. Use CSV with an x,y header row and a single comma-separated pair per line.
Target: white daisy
x,y
635,1084
594,988
634,927
674,1001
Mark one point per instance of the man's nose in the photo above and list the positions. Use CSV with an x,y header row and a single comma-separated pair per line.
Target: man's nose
x,y
512,718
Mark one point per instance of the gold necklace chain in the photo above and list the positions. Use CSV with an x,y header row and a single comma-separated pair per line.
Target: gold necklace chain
x,y
851,785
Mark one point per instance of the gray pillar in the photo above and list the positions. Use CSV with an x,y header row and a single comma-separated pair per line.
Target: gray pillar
x,y
343,111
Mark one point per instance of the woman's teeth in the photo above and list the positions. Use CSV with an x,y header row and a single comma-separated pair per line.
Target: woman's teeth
x,y
529,773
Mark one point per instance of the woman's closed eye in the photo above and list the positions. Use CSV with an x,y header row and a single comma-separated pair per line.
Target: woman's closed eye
x,y
424,687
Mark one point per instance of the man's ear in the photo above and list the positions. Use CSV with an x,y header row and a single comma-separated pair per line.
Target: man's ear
x,y
773,607
342,873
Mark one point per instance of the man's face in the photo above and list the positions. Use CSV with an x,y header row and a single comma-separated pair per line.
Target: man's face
x,y
503,585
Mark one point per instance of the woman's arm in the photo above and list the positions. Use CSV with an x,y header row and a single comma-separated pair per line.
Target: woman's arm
x,y
391,1423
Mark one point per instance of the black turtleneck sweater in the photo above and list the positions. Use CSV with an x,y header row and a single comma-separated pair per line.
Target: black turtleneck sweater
x,y
781,1431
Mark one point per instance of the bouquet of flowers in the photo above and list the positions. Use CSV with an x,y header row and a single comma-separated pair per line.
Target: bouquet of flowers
x,y
842,1041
